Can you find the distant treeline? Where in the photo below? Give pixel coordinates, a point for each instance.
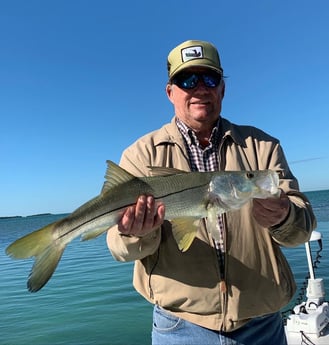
(32, 215)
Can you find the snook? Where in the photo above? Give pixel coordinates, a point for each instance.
(188, 197)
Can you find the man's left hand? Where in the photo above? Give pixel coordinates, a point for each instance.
(272, 211)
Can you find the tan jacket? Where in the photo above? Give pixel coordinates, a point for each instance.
(258, 278)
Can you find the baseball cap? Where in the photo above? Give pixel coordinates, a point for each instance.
(193, 53)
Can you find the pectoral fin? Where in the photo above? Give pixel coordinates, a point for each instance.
(184, 230)
(94, 233)
(212, 223)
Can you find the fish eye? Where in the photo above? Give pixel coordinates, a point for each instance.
(250, 175)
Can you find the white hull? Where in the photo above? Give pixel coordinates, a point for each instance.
(308, 324)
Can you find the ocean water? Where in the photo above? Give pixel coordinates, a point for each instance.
(90, 298)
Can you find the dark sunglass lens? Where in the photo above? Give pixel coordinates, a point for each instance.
(188, 81)
(211, 80)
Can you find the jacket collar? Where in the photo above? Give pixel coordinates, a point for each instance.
(169, 133)
(233, 131)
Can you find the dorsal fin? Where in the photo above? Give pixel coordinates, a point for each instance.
(162, 171)
(115, 176)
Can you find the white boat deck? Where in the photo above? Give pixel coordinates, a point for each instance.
(295, 338)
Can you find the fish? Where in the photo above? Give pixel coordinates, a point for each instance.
(188, 198)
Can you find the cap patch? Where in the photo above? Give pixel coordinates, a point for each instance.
(191, 53)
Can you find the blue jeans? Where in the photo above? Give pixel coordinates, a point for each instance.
(171, 330)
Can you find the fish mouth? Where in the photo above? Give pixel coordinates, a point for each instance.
(268, 186)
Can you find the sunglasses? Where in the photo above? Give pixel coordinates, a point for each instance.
(189, 80)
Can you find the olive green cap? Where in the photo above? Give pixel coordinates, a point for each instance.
(193, 54)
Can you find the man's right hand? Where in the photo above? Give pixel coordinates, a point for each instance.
(142, 218)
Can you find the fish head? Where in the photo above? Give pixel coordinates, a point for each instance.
(235, 188)
(267, 183)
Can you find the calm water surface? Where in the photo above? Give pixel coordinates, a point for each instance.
(90, 298)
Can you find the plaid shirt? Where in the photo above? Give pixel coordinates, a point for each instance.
(201, 159)
(204, 159)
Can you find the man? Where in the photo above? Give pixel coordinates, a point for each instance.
(225, 292)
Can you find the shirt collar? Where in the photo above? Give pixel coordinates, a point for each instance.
(191, 137)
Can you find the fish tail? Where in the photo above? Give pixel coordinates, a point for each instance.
(47, 251)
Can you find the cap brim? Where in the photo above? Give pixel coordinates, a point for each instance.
(194, 63)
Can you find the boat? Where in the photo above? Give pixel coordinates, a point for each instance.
(308, 321)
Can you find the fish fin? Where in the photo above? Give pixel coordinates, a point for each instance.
(47, 252)
(212, 223)
(162, 171)
(44, 267)
(89, 235)
(115, 175)
(184, 231)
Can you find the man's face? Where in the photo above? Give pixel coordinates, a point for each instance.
(198, 107)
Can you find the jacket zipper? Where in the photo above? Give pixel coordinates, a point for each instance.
(222, 262)
(222, 256)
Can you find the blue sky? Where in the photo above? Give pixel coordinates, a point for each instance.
(81, 80)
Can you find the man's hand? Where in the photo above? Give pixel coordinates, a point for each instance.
(142, 218)
(272, 211)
